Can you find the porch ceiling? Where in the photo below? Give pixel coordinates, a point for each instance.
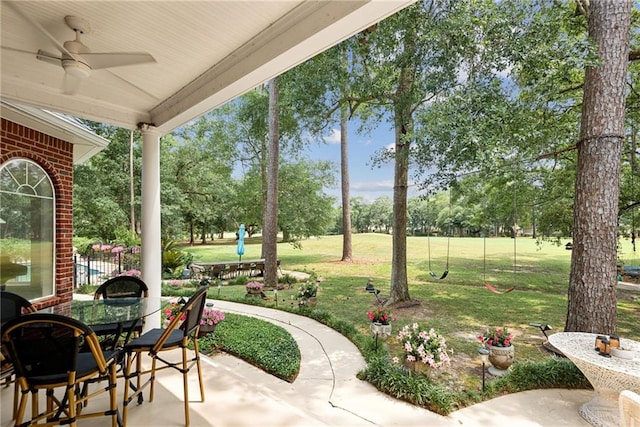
(206, 52)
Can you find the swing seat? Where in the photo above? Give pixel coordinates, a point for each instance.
(434, 276)
(495, 291)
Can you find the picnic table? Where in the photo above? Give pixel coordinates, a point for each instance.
(229, 269)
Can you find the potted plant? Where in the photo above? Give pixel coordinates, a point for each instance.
(254, 288)
(499, 342)
(209, 319)
(170, 312)
(307, 294)
(424, 350)
(380, 318)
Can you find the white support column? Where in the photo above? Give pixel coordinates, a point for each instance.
(151, 251)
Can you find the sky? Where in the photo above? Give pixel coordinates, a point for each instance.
(366, 181)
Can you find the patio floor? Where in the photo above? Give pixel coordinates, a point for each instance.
(326, 392)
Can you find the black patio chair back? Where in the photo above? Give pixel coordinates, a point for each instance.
(13, 305)
(122, 287)
(178, 334)
(46, 351)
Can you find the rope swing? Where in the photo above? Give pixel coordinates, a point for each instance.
(433, 275)
(489, 286)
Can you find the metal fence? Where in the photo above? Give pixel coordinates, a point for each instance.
(95, 267)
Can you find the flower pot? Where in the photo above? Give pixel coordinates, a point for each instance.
(254, 291)
(501, 358)
(420, 368)
(383, 331)
(308, 302)
(165, 324)
(205, 329)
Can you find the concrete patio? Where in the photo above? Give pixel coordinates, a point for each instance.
(326, 392)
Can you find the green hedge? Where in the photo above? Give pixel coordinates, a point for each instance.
(263, 344)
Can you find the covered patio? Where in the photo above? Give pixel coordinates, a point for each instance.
(162, 64)
(326, 392)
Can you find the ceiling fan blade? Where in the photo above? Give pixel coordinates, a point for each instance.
(70, 84)
(13, 49)
(37, 25)
(116, 59)
(48, 57)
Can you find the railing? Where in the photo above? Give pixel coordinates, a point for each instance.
(97, 266)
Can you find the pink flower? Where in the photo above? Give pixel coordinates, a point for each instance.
(498, 337)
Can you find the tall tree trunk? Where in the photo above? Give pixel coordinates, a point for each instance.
(270, 230)
(403, 136)
(263, 187)
(592, 282)
(399, 283)
(347, 252)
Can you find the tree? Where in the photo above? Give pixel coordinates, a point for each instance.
(347, 247)
(592, 281)
(381, 212)
(102, 187)
(303, 208)
(401, 64)
(196, 179)
(270, 223)
(421, 214)
(318, 89)
(360, 214)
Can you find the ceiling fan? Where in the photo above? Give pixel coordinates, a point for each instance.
(78, 60)
(75, 57)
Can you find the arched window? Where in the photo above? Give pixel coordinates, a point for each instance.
(27, 229)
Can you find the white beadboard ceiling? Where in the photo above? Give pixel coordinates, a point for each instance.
(206, 52)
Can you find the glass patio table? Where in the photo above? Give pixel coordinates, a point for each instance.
(608, 375)
(123, 312)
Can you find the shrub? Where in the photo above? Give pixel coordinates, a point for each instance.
(415, 389)
(268, 346)
(307, 290)
(288, 279)
(423, 346)
(554, 372)
(239, 280)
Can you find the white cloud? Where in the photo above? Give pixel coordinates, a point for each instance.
(334, 137)
(373, 186)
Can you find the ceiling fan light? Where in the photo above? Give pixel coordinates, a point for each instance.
(76, 69)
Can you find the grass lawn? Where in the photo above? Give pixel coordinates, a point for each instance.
(459, 307)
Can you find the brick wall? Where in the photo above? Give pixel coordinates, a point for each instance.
(55, 156)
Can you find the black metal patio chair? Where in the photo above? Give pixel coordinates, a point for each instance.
(178, 334)
(119, 287)
(11, 306)
(46, 352)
